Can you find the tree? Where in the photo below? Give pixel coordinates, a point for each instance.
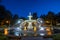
(23, 18)
(34, 16)
(51, 17)
(5, 15)
(15, 18)
(43, 17)
(8, 14)
(58, 17)
(8, 17)
(2, 11)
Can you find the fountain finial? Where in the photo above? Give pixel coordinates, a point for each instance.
(30, 16)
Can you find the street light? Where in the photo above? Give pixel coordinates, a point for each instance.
(47, 22)
(8, 22)
(5, 31)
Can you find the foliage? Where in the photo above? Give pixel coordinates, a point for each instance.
(56, 37)
(3, 37)
(34, 16)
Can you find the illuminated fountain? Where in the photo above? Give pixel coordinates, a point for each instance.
(31, 27)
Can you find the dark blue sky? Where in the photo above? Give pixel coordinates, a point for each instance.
(23, 7)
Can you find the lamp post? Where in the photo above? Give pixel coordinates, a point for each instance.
(8, 22)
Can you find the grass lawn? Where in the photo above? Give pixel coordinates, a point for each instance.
(56, 37)
(2, 37)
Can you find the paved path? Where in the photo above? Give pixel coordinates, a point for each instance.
(36, 38)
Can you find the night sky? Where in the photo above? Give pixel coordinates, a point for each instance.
(23, 7)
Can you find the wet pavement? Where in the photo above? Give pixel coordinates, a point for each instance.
(36, 38)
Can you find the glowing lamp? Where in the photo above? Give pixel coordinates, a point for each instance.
(34, 29)
(49, 33)
(6, 31)
(25, 29)
(47, 29)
